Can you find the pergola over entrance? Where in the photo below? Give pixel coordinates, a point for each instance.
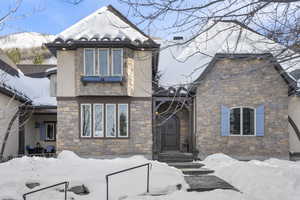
(173, 121)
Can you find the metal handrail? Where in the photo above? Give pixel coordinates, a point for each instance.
(51, 186)
(124, 170)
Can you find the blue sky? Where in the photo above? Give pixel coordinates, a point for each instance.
(50, 16)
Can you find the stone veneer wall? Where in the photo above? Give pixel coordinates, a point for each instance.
(243, 83)
(140, 132)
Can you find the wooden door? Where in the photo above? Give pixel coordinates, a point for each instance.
(170, 134)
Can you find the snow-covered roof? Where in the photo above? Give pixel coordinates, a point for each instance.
(183, 64)
(36, 90)
(105, 22)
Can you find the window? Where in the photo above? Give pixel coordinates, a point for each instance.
(50, 130)
(89, 62)
(110, 120)
(98, 120)
(107, 120)
(242, 121)
(123, 120)
(109, 62)
(117, 61)
(103, 61)
(86, 121)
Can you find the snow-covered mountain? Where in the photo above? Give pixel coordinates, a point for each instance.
(28, 45)
(24, 40)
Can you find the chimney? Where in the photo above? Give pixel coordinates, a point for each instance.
(177, 38)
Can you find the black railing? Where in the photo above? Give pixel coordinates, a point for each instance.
(118, 172)
(45, 188)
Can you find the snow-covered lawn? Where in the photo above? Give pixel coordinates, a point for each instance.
(268, 180)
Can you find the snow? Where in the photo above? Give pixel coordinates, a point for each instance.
(257, 180)
(112, 26)
(90, 172)
(24, 40)
(37, 89)
(182, 64)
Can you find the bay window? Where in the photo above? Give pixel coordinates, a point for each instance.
(103, 62)
(108, 120)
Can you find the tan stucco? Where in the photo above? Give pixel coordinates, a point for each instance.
(8, 107)
(66, 73)
(294, 113)
(142, 74)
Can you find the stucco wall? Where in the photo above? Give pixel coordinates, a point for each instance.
(66, 73)
(294, 113)
(8, 108)
(239, 82)
(142, 74)
(140, 131)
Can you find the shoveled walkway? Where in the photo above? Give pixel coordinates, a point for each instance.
(198, 179)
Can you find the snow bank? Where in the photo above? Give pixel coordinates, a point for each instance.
(260, 180)
(90, 172)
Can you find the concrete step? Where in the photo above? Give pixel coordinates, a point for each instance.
(197, 172)
(186, 165)
(175, 157)
(207, 183)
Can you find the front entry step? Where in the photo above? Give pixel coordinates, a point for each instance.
(206, 183)
(186, 165)
(197, 172)
(175, 157)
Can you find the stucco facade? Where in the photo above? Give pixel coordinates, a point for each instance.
(242, 82)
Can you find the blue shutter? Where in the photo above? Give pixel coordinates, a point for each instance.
(42, 131)
(225, 121)
(260, 120)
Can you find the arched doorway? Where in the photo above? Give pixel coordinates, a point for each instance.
(169, 131)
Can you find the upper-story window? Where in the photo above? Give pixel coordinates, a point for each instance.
(103, 62)
(242, 121)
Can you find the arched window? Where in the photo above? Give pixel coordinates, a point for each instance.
(242, 121)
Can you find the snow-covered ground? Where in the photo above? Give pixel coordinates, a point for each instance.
(268, 180)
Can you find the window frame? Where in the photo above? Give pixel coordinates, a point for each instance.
(54, 134)
(104, 114)
(94, 118)
(108, 62)
(241, 120)
(115, 119)
(112, 62)
(127, 114)
(94, 61)
(81, 118)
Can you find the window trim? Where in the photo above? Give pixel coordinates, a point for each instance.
(54, 134)
(94, 118)
(112, 62)
(108, 62)
(127, 112)
(115, 119)
(241, 121)
(81, 117)
(94, 63)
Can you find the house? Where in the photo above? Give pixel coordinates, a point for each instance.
(103, 98)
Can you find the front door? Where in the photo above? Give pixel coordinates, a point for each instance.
(170, 134)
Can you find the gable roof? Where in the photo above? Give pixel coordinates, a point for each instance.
(105, 26)
(268, 56)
